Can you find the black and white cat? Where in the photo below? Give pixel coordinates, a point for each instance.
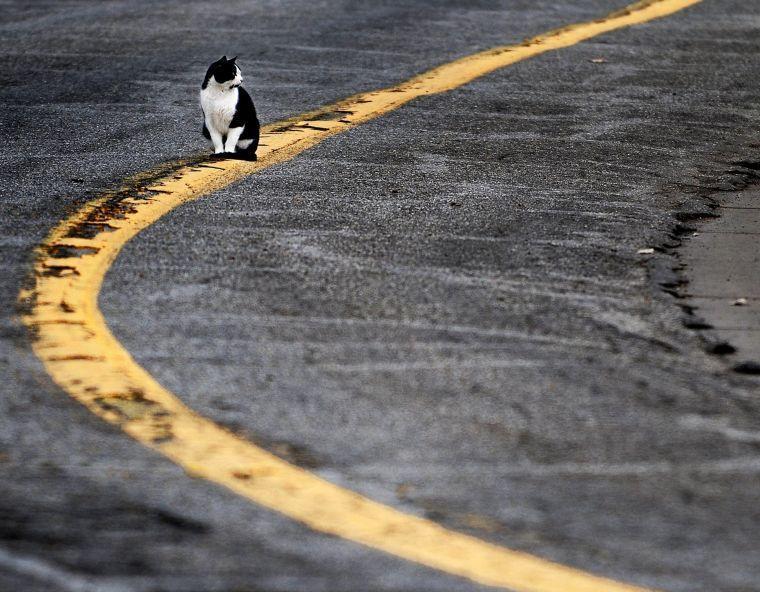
(229, 117)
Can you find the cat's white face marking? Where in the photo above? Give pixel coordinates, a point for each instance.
(238, 80)
(227, 84)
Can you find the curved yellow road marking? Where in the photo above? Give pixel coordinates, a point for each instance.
(83, 357)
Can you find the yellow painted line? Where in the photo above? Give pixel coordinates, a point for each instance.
(60, 307)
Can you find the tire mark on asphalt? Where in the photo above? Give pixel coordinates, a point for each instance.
(70, 336)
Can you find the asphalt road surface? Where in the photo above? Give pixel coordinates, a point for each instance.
(445, 309)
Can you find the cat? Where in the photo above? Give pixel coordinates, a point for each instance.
(229, 116)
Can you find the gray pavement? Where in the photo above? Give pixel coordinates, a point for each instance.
(443, 309)
(723, 259)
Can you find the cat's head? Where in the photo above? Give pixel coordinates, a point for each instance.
(225, 73)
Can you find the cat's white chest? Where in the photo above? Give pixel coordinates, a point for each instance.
(219, 107)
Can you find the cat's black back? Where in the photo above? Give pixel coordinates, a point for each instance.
(245, 114)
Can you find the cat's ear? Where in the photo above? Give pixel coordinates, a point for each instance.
(224, 58)
(233, 59)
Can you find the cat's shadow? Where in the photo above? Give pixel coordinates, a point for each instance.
(232, 156)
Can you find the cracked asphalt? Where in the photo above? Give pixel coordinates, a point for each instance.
(444, 309)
